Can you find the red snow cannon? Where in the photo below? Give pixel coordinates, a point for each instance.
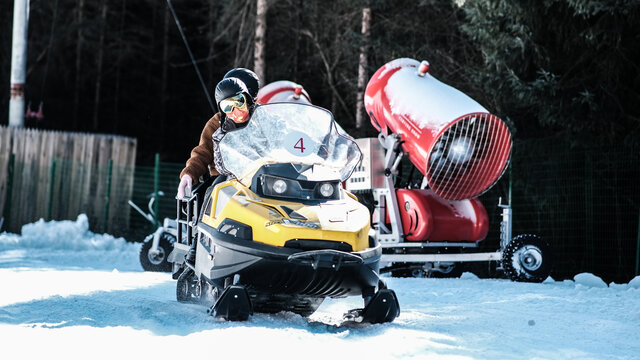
(456, 143)
(283, 91)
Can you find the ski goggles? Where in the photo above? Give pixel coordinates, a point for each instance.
(237, 101)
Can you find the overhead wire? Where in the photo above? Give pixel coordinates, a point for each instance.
(193, 60)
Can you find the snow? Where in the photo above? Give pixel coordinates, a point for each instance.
(282, 91)
(589, 280)
(69, 293)
(431, 104)
(398, 63)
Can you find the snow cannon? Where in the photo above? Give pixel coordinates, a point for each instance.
(283, 91)
(460, 148)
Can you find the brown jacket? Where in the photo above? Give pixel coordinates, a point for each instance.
(202, 155)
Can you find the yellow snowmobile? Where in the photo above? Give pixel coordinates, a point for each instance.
(283, 234)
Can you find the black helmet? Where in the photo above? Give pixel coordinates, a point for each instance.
(229, 87)
(248, 77)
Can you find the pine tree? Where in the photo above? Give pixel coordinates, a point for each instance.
(560, 65)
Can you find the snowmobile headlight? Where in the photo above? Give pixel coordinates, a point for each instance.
(279, 186)
(326, 189)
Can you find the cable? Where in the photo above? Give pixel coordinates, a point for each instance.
(193, 60)
(51, 32)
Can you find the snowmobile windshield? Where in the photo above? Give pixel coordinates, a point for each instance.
(303, 135)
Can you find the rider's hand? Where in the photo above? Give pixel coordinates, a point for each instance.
(185, 182)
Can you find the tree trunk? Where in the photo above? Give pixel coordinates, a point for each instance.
(211, 36)
(296, 51)
(259, 64)
(151, 62)
(362, 67)
(103, 27)
(79, 43)
(165, 70)
(116, 107)
(240, 40)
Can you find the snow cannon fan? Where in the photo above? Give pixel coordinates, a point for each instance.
(283, 91)
(456, 143)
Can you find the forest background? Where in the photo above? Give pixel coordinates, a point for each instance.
(120, 66)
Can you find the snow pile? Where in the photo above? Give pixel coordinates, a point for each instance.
(589, 280)
(635, 283)
(67, 243)
(61, 235)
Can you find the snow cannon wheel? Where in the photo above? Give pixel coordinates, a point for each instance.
(527, 258)
(157, 262)
(233, 305)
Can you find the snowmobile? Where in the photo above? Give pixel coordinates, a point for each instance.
(281, 234)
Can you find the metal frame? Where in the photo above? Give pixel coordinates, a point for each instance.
(386, 197)
(187, 217)
(393, 238)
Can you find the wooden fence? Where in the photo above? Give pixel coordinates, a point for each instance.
(59, 175)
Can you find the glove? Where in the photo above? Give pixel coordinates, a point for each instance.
(185, 186)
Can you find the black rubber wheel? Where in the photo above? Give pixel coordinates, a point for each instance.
(527, 258)
(182, 290)
(189, 288)
(408, 271)
(158, 262)
(453, 271)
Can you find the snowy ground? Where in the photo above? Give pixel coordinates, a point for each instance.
(68, 293)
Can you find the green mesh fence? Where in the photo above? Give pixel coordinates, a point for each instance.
(584, 201)
(144, 188)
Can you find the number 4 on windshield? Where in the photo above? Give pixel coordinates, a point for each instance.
(300, 145)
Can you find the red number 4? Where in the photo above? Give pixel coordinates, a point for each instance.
(299, 145)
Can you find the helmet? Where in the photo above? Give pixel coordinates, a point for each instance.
(229, 87)
(248, 77)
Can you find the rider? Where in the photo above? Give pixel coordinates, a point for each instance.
(202, 156)
(236, 105)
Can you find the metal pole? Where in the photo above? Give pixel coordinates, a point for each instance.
(51, 187)
(18, 62)
(108, 200)
(510, 183)
(156, 189)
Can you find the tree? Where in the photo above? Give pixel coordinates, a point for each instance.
(568, 66)
(362, 66)
(259, 65)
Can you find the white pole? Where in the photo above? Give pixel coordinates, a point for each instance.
(18, 62)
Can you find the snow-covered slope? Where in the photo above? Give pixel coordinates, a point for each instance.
(66, 293)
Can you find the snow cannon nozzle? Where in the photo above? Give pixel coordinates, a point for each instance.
(297, 92)
(459, 146)
(423, 69)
